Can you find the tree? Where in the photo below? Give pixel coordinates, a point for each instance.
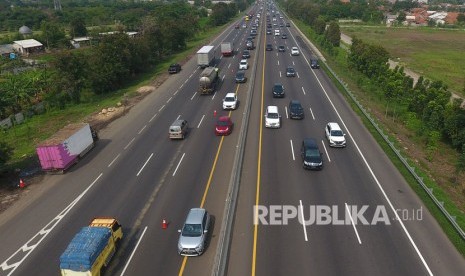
(401, 17)
(319, 25)
(460, 164)
(6, 152)
(461, 18)
(333, 34)
(53, 34)
(78, 27)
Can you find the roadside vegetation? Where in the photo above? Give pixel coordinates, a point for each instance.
(67, 85)
(422, 119)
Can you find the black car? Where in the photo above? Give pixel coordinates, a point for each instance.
(284, 36)
(278, 90)
(240, 76)
(311, 155)
(296, 111)
(290, 71)
(174, 68)
(288, 24)
(269, 47)
(250, 45)
(281, 48)
(314, 63)
(245, 54)
(268, 31)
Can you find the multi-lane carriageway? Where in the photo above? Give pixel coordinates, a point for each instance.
(138, 175)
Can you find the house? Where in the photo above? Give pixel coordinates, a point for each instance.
(7, 51)
(28, 46)
(79, 41)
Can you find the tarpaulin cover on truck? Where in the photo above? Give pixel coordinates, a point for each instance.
(84, 248)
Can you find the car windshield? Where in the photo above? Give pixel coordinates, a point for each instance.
(337, 133)
(312, 153)
(192, 230)
(222, 123)
(273, 115)
(229, 99)
(296, 107)
(290, 69)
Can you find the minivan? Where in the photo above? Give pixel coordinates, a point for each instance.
(193, 237)
(178, 129)
(311, 155)
(272, 117)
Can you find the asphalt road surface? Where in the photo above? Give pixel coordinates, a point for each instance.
(136, 174)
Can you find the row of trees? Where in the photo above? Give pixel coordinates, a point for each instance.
(427, 104)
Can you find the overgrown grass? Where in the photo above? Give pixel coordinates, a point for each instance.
(370, 100)
(437, 54)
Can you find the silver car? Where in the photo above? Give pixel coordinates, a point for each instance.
(194, 233)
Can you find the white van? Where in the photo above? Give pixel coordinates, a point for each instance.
(272, 117)
(276, 32)
(178, 129)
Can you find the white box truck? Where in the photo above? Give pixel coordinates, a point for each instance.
(205, 56)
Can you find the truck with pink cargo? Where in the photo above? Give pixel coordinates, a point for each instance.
(66, 147)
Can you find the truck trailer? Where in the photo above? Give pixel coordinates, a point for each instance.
(205, 56)
(208, 80)
(64, 148)
(92, 248)
(227, 49)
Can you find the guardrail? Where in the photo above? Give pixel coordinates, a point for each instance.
(411, 169)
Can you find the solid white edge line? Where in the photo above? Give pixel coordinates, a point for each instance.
(198, 126)
(353, 223)
(327, 154)
(376, 179)
(193, 95)
(311, 111)
(142, 129)
(130, 142)
(303, 221)
(175, 170)
(144, 164)
(133, 251)
(292, 150)
(114, 159)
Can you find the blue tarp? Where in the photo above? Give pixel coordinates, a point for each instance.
(84, 248)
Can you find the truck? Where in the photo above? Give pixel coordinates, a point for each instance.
(92, 248)
(66, 147)
(205, 56)
(208, 80)
(227, 49)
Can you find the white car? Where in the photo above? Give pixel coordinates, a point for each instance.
(230, 101)
(272, 117)
(243, 65)
(295, 51)
(335, 135)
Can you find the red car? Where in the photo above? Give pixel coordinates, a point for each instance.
(224, 126)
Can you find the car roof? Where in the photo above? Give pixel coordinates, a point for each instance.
(334, 126)
(195, 216)
(310, 143)
(272, 109)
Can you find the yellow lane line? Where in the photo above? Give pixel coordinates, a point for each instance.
(257, 193)
(207, 188)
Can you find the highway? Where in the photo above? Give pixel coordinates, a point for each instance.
(136, 174)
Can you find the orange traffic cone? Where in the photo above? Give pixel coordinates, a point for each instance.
(164, 224)
(21, 183)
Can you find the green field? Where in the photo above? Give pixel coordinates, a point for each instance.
(437, 54)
